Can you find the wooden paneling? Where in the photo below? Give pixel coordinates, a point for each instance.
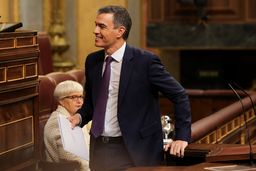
(251, 12)
(154, 10)
(217, 11)
(18, 99)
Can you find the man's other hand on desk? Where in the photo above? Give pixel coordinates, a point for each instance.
(176, 148)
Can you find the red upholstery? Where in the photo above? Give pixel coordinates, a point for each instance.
(78, 74)
(58, 77)
(46, 88)
(45, 55)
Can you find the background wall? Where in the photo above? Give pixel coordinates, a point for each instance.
(9, 10)
(86, 13)
(134, 8)
(31, 14)
(78, 17)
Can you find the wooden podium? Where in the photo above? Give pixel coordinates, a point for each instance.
(212, 157)
(222, 152)
(18, 99)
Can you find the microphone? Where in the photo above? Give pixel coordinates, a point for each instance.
(246, 126)
(252, 103)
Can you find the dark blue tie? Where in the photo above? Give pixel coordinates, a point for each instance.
(101, 103)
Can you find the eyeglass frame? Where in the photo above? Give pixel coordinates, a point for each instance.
(74, 97)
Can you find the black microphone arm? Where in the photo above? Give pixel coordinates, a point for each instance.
(246, 126)
(252, 103)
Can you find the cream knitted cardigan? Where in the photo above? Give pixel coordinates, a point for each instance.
(53, 146)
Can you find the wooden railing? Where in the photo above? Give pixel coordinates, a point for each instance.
(226, 123)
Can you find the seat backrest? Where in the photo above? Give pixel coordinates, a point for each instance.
(45, 55)
(78, 74)
(57, 77)
(46, 101)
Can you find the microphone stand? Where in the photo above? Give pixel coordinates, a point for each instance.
(246, 126)
(240, 88)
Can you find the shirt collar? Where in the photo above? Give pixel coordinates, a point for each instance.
(119, 54)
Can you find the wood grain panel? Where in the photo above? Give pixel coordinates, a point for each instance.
(18, 99)
(251, 12)
(17, 134)
(217, 11)
(16, 112)
(6, 43)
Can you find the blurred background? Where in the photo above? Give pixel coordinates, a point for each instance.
(203, 43)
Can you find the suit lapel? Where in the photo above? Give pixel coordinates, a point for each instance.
(126, 71)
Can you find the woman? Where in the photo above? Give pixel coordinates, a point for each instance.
(69, 95)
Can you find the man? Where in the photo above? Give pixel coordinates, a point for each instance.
(132, 131)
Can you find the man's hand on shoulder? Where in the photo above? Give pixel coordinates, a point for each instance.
(176, 148)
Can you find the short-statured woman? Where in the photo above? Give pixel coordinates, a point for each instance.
(69, 95)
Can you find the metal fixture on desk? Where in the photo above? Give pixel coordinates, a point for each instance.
(167, 128)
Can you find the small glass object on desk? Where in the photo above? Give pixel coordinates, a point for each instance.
(167, 128)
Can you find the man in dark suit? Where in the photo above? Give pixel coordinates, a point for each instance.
(131, 134)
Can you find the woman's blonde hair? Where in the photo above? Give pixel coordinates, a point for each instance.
(65, 88)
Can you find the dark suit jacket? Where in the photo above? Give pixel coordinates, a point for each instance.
(142, 78)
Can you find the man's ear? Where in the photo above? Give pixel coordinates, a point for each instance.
(121, 31)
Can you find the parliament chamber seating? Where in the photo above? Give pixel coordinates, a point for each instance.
(45, 55)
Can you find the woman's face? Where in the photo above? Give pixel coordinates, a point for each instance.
(72, 102)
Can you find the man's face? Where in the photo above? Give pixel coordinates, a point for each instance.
(106, 35)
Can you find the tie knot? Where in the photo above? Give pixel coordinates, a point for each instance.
(108, 59)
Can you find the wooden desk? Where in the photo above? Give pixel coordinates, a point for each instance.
(202, 156)
(18, 99)
(197, 167)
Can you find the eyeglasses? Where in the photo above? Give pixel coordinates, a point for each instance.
(75, 97)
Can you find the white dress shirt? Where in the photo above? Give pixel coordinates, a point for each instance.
(111, 125)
